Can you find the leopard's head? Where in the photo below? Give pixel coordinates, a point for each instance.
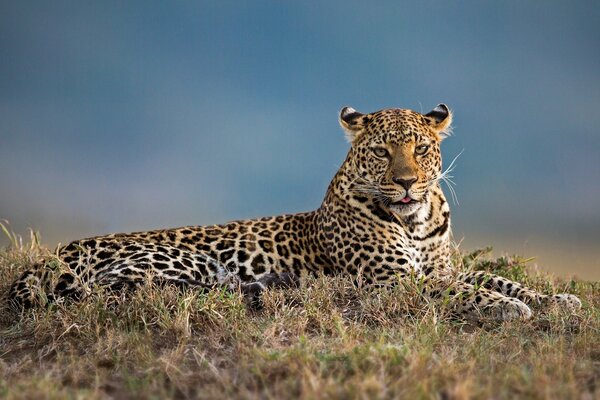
(395, 156)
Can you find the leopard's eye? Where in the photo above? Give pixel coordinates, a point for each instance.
(422, 149)
(380, 152)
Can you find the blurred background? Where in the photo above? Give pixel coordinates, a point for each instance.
(130, 116)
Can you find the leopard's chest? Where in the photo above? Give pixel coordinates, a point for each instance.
(421, 247)
(358, 237)
(421, 251)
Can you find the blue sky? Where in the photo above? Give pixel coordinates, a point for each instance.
(128, 116)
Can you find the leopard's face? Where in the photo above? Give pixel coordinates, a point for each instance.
(395, 156)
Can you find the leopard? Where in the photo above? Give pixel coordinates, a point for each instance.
(384, 221)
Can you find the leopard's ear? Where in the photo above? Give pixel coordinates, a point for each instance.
(353, 122)
(440, 120)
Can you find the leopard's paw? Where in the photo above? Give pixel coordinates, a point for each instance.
(508, 309)
(567, 301)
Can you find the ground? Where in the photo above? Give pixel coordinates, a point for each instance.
(325, 340)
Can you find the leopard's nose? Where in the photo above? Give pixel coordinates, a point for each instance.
(405, 181)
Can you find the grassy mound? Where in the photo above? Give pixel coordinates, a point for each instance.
(324, 340)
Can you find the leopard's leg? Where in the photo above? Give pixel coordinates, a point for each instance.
(195, 277)
(125, 263)
(463, 299)
(517, 290)
(29, 288)
(66, 275)
(472, 302)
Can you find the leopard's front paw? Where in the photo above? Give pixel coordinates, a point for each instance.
(507, 309)
(567, 301)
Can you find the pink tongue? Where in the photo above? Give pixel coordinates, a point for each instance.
(406, 199)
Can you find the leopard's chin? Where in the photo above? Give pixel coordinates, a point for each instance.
(404, 208)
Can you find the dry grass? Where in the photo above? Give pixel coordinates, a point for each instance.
(325, 340)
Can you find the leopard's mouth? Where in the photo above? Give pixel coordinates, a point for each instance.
(405, 206)
(407, 200)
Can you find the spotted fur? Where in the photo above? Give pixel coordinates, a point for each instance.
(384, 219)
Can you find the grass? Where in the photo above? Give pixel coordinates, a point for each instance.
(324, 340)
